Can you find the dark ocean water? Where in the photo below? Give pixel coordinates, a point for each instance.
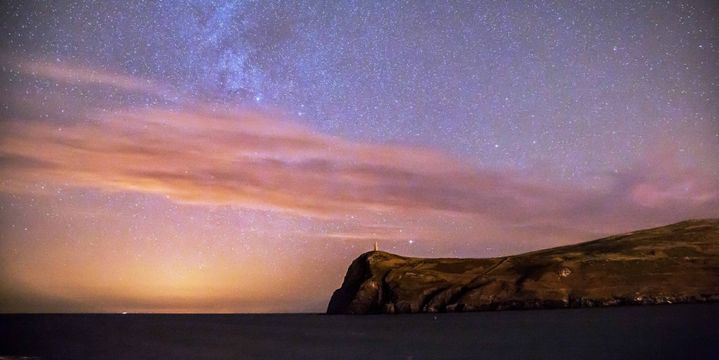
(646, 332)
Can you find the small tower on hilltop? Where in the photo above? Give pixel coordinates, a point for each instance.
(376, 246)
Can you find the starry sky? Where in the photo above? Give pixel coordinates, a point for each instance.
(210, 156)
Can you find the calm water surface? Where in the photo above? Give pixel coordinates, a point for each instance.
(670, 331)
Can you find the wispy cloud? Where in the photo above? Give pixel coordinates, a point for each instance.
(84, 76)
(198, 154)
(319, 193)
(245, 159)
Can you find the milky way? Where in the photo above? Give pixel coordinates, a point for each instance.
(236, 156)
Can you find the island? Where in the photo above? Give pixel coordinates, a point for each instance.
(677, 263)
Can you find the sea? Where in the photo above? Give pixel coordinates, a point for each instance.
(636, 332)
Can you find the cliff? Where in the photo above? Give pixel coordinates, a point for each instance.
(677, 263)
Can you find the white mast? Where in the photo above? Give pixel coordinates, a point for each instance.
(376, 246)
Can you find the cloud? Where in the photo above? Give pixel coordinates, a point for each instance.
(320, 193)
(246, 159)
(84, 76)
(204, 154)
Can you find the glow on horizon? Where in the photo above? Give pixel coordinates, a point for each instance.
(189, 166)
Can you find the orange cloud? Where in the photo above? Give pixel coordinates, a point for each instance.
(199, 154)
(245, 159)
(420, 200)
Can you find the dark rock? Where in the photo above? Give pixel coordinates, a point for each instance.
(677, 263)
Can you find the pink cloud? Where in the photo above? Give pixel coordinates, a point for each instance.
(198, 154)
(84, 76)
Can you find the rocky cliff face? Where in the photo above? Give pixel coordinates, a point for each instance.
(678, 263)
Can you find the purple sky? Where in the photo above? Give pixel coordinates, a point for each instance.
(235, 157)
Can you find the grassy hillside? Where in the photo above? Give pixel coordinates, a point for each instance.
(670, 264)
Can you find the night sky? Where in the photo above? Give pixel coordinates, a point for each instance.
(209, 156)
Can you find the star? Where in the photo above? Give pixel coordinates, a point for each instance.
(248, 142)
